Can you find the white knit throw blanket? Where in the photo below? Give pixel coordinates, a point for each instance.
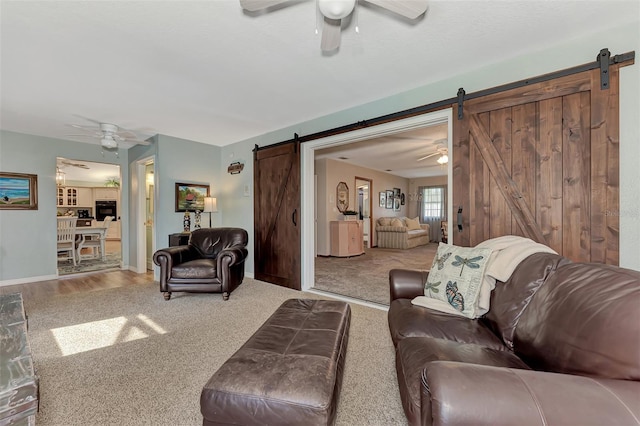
(507, 253)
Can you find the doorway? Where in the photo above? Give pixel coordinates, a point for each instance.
(144, 191)
(309, 202)
(365, 209)
(83, 190)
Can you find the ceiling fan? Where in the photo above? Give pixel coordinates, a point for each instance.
(109, 135)
(441, 150)
(62, 162)
(333, 11)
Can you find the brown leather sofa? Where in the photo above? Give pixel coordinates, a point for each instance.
(559, 346)
(211, 262)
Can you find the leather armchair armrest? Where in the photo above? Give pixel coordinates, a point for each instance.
(455, 393)
(231, 256)
(174, 255)
(167, 258)
(406, 283)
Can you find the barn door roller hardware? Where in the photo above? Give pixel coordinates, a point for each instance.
(461, 94)
(603, 59)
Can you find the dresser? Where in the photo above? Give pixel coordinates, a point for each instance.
(346, 238)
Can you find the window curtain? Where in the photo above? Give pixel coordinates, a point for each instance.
(432, 208)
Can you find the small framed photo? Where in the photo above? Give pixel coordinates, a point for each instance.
(396, 204)
(389, 203)
(383, 199)
(402, 199)
(190, 197)
(396, 192)
(18, 191)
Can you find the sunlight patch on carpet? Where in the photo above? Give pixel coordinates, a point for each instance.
(93, 335)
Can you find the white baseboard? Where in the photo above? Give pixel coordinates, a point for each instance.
(17, 281)
(249, 275)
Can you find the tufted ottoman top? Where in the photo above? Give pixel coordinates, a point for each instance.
(288, 372)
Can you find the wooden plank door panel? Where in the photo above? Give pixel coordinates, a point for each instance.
(277, 214)
(542, 161)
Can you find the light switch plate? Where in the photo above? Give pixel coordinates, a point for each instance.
(247, 190)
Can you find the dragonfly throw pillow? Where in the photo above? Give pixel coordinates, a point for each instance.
(456, 276)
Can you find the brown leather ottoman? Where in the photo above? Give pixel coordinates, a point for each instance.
(288, 373)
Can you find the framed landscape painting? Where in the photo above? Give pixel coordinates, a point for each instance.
(190, 196)
(18, 191)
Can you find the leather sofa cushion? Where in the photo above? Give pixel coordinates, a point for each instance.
(407, 320)
(195, 269)
(414, 353)
(510, 299)
(584, 320)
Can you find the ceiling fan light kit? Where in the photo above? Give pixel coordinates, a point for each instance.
(336, 9)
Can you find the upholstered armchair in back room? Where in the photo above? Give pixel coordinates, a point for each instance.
(212, 262)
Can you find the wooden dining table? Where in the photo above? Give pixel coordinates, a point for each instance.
(91, 231)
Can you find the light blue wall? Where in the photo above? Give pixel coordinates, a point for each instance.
(28, 237)
(184, 161)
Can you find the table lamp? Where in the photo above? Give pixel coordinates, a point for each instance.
(210, 206)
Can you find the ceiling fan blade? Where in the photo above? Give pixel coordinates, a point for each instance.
(255, 5)
(330, 34)
(428, 156)
(85, 129)
(408, 8)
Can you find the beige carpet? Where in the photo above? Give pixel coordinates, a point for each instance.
(126, 357)
(366, 277)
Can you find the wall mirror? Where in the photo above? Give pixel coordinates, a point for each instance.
(342, 197)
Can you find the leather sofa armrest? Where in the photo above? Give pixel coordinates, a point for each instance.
(406, 283)
(455, 393)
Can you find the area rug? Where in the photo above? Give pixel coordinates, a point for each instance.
(366, 277)
(113, 261)
(125, 356)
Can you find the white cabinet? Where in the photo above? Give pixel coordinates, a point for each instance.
(106, 193)
(67, 196)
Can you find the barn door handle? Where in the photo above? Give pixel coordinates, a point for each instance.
(294, 217)
(460, 219)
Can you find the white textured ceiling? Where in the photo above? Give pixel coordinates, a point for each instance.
(208, 72)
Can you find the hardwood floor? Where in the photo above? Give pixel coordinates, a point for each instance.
(67, 285)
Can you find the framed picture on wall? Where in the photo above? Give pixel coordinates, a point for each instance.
(190, 197)
(383, 199)
(396, 204)
(18, 191)
(389, 203)
(396, 192)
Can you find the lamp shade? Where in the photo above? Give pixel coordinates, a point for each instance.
(210, 204)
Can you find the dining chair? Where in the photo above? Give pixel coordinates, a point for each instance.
(67, 238)
(95, 242)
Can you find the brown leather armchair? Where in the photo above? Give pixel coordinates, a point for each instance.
(212, 262)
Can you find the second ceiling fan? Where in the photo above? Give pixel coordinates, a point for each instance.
(333, 11)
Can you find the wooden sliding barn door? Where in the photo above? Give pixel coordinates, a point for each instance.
(276, 177)
(541, 161)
